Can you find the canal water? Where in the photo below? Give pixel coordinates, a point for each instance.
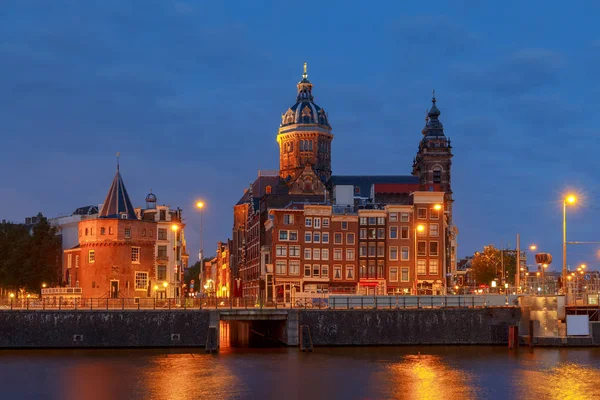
(422, 372)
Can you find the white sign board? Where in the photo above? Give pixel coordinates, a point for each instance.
(578, 325)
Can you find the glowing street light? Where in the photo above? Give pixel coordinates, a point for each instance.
(437, 207)
(43, 285)
(533, 247)
(12, 295)
(569, 199)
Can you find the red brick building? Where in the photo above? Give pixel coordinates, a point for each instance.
(369, 222)
(115, 255)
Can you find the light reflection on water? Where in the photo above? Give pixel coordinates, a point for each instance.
(327, 373)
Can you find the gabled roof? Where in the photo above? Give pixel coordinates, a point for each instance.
(117, 202)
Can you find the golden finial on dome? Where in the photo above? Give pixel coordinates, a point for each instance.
(305, 74)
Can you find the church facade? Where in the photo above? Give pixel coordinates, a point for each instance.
(302, 229)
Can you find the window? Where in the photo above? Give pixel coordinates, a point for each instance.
(127, 233)
(135, 255)
(162, 234)
(404, 274)
(294, 251)
(317, 223)
(372, 220)
(404, 217)
(325, 254)
(421, 267)
(69, 258)
(308, 222)
(433, 248)
(434, 214)
(404, 232)
(110, 230)
(281, 267)
(433, 230)
(423, 232)
(308, 237)
(363, 271)
(380, 250)
(362, 250)
(326, 223)
(337, 238)
(91, 256)
(349, 238)
(363, 233)
(337, 254)
(103, 231)
(307, 269)
(344, 225)
(307, 254)
(294, 267)
(325, 237)
(288, 219)
(422, 213)
(393, 217)
(141, 280)
(86, 231)
(393, 253)
(161, 273)
(393, 274)
(372, 233)
(380, 220)
(393, 232)
(163, 215)
(316, 237)
(404, 253)
(162, 252)
(294, 236)
(316, 254)
(433, 267)
(349, 271)
(324, 271)
(337, 272)
(316, 270)
(283, 235)
(422, 248)
(77, 261)
(349, 254)
(437, 175)
(363, 221)
(91, 231)
(372, 250)
(381, 233)
(281, 251)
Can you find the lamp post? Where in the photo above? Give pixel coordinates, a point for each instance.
(175, 229)
(570, 199)
(200, 207)
(155, 292)
(165, 285)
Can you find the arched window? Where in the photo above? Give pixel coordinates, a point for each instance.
(437, 175)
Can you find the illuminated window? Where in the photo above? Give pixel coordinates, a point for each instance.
(135, 255)
(404, 217)
(307, 254)
(325, 254)
(69, 257)
(281, 251)
(127, 233)
(433, 230)
(433, 267)
(337, 272)
(363, 233)
(349, 254)
(393, 217)
(294, 267)
(141, 280)
(393, 274)
(421, 267)
(162, 234)
(280, 267)
(91, 256)
(294, 251)
(316, 254)
(349, 271)
(317, 223)
(77, 261)
(337, 254)
(404, 274)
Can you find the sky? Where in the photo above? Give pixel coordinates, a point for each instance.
(191, 94)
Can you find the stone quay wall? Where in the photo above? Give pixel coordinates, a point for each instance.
(483, 326)
(84, 329)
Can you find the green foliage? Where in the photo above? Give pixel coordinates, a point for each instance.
(29, 259)
(487, 265)
(193, 272)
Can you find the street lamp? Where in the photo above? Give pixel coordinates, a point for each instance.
(200, 207)
(165, 285)
(418, 228)
(176, 271)
(570, 199)
(533, 247)
(43, 285)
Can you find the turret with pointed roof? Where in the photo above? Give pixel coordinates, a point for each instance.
(117, 203)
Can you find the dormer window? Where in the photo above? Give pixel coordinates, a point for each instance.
(123, 215)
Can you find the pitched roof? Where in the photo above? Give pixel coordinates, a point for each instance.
(364, 182)
(117, 202)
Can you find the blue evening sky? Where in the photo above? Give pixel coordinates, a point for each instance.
(191, 94)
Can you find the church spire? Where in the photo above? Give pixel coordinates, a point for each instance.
(433, 126)
(304, 88)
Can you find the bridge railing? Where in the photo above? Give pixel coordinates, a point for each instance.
(333, 302)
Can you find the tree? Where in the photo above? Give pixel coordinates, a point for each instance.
(193, 272)
(29, 257)
(487, 265)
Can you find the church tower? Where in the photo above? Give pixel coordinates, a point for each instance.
(304, 139)
(434, 157)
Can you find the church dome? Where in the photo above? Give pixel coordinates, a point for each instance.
(151, 198)
(305, 111)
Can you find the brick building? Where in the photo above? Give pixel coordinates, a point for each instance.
(371, 220)
(217, 278)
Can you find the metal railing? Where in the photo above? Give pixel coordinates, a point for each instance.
(333, 302)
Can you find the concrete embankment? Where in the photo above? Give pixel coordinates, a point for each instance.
(409, 327)
(181, 328)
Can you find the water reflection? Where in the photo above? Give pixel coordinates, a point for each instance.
(563, 381)
(428, 377)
